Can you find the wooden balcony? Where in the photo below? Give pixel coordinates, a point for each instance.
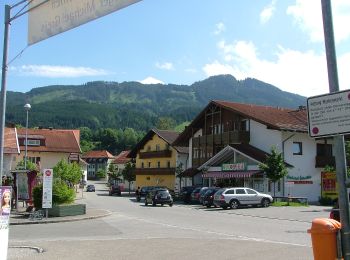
(226, 138)
(322, 161)
(155, 154)
(154, 171)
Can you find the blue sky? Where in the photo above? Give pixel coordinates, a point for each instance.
(184, 41)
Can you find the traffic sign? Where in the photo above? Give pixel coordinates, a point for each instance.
(329, 114)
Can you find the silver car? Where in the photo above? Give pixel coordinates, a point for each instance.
(235, 197)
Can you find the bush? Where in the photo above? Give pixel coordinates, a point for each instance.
(38, 196)
(326, 201)
(61, 193)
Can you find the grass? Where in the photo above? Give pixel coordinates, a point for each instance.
(286, 204)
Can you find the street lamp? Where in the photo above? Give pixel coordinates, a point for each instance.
(27, 107)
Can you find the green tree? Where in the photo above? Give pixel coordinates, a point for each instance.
(274, 167)
(101, 174)
(113, 173)
(165, 123)
(68, 172)
(30, 165)
(128, 173)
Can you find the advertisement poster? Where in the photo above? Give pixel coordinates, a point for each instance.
(47, 188)
(22, 184)
(329, 185)
(5, 210)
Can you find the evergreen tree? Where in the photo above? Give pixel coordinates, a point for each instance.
(128, 173)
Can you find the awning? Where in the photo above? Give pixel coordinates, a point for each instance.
(229, 175)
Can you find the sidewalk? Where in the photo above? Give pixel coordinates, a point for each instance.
(21, 217)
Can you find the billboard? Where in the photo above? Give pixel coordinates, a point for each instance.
(48, 18)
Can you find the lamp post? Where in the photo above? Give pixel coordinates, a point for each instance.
(27, 107)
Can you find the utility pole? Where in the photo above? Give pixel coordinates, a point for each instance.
(339, 150)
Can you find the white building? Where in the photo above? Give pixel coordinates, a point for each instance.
(227, 142)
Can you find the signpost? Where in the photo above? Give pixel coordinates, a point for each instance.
(47, 190)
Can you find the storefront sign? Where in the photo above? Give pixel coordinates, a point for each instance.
(298, 178)
(233, 167)
(5, 210)
(47, 188)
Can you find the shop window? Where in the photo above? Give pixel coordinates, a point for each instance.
(297, 148)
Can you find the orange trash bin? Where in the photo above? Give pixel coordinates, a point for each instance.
(324, 238)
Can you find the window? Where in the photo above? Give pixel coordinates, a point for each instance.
(230, 192)
(245, 125)
(249, 191)
(149, 164)
(158, 164)
(157, 147)
(240, 191)
(324, 150)
(35, 160)
(168, 164)
(142, 165)
(32, 142)
(148, 148)
(297, 148)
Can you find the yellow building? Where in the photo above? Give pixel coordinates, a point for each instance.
(157, 160)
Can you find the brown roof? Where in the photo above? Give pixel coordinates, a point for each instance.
(122, 158)
(98, 154)
(10, 141)
(56, 140)
(273, 117)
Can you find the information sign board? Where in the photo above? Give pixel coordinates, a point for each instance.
(47, 188)
(329, 114)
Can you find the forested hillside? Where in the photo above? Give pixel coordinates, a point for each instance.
(134, 105)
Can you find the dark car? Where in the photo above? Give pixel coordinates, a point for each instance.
(115, 189)
(195, 195)
(208, 198)
(159, 196)
(90, 188)
(185, 193)
(144, 190)
(202, 191)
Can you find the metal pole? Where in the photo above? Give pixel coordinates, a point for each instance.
(26, 146)
(3, 87)
(339, 149)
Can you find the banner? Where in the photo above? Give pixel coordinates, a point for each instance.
(5, 210)
(48, 18)
(47, 188)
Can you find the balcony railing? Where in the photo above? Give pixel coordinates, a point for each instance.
(155, 154)
(322, 161)
(154, 171)
(224, 138)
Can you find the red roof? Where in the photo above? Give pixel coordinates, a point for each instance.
(10, 141)
(56, 140)
(122, 157)
(98, 154)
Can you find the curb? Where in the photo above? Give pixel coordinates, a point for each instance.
(44, 221)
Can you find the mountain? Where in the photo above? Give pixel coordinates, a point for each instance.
(102, 104)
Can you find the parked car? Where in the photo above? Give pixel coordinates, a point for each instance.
(208, 198)
(195, 195)
(90, 188)
(159, 196)
(144, 190)
(185, 193)
(240, 196)
(202, 191)
(115, 189)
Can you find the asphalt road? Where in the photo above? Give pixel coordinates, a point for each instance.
(134, 231)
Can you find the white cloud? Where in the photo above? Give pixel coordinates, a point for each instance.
(220, 27)
(267, 13)
(165, 66)
(308, 16)
(151, 80)
(49, 71)
(303, 73)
